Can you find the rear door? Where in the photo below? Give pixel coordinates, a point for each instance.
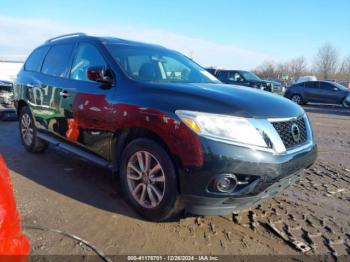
(312, 91)
(29, 81)
(54, 76)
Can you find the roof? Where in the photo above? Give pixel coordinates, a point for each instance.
(104, 40)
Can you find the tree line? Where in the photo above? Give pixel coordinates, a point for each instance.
(326, 65)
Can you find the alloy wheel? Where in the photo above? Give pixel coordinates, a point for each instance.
(146, 179)
(296, 99)
(27, 130)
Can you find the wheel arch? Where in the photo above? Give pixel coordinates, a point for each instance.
(302, 96)
(19, 105)
(124, 136)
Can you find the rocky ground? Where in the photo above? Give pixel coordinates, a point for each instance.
(69, 206)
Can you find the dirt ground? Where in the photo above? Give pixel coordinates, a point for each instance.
(61, 196)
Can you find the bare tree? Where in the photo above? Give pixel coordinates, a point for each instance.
(344, 71)
(297, 67)
(292, 69)
(266, 70)
(326, 61)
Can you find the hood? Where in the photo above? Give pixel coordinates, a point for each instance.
(275, 83)
(220, 99)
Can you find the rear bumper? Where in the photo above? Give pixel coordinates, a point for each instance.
(271, 174)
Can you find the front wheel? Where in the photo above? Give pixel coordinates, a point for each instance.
(148, 179)
(346, 104)
(31, 142)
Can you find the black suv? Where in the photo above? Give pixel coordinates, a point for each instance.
(176, 136)
(246, 78)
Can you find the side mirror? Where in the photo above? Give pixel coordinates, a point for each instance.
(336, 89)
(99, 74)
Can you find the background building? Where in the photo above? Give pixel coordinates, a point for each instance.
(9, 69)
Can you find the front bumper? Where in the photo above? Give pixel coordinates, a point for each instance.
(272, 173)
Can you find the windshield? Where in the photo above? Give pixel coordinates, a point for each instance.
(250, 76)
(158, 65)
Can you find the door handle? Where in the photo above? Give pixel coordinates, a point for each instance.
(64, 94)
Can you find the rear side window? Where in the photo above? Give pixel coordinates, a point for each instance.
(35, 60)
(57, 61)
(313, 84)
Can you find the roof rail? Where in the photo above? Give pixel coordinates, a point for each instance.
(65, 36)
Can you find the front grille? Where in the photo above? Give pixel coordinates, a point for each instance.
(284, 129)
(276, 88)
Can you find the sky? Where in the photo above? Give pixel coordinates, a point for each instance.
(224, 33)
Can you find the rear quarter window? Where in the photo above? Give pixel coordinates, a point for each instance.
(35, 59)
(57, 61)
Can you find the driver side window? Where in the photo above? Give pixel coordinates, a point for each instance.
(86, 56)
(235, 76)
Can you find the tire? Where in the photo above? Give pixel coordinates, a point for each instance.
(344, 104)
(157, 204)
(297, 99)
(28, 132)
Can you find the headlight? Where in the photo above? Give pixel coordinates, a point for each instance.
(222, 127)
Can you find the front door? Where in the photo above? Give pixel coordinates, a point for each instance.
(330, 93)
(85, 104)
(312, 91)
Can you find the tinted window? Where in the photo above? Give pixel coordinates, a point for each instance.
(313, 84)
(57, 60)
(235, 76)
(326, 86)
(35, 60)
(222, 75)
(86, 56)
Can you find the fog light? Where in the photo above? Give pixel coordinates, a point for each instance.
(226, 183)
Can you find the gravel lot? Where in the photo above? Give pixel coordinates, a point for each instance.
(60, 195)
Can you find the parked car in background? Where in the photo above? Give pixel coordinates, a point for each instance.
(6, 93)
(277, 84)
(305, 79)
(319, 92)
(177, 137)
(7, 108)
(345, 83)
(212, 70)
(246, 78)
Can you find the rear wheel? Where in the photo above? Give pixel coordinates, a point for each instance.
(28, 131)
(345, 104)
(297, 99)
(149, 180)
